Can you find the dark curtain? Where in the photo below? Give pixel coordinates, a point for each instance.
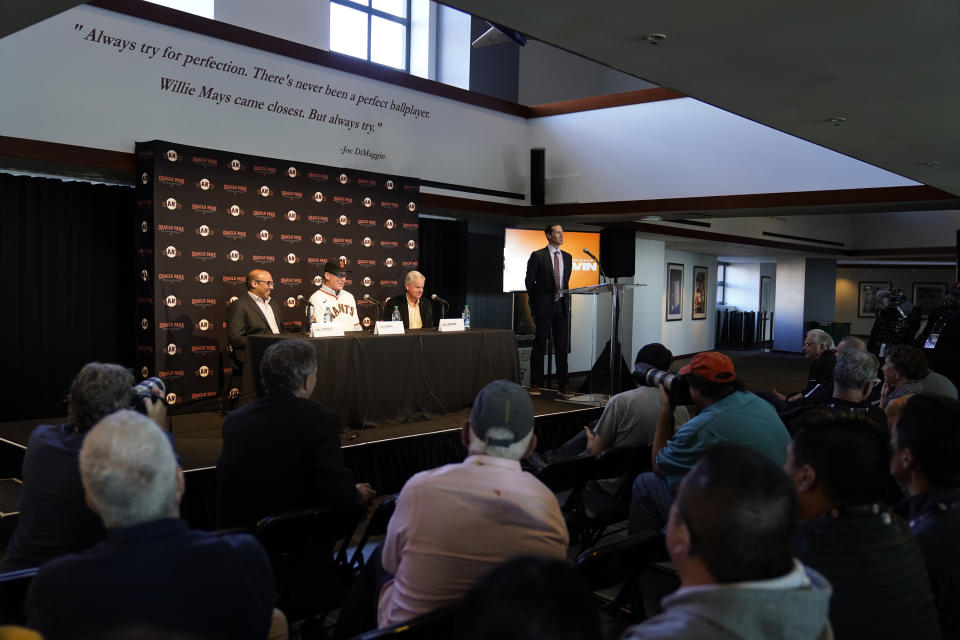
(68, 266)
(443, 260)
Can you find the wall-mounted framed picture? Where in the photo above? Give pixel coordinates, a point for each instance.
(867, 301)
(674, 291)
(699, 293)
(928, 295)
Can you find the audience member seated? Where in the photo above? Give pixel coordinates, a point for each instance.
(854, 377)
(938, 385)
(629, 418)
(926, 458)
(840, 466)
(818, 349)
(282, 451)
(529, 598)
(903, 368)
(453, 523)
(54, 519)
(727, 414)
(730, 538)
(152, 571)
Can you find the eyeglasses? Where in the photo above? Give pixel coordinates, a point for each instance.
(810, 344)
(269, 283)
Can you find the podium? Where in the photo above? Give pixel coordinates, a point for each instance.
(616, 289)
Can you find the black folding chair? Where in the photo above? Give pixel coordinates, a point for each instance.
(13, 595)
(601, 510)
(376, 526)
(622, 563)
(436, 625)
(312, 577)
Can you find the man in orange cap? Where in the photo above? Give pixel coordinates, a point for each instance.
(727, 413)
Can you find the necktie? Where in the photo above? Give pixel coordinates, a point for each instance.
(556, 274)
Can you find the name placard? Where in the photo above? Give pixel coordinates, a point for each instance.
(451, 324)
(326, 330)
(388, 328)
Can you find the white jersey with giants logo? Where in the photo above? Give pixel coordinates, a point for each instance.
(343, 308)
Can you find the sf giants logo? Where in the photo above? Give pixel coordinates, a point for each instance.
(341, 308)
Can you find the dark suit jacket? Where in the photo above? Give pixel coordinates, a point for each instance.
(159, 575)
(400, 301)
(280, 453)
(244, 318)
(540, 284)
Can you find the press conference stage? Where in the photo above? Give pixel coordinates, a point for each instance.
(385, 456)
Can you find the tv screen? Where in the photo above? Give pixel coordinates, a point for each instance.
(519, 243)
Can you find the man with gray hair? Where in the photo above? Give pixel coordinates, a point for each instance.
(414, 314)
(453, 523)
(54, 519)
(282, 451)
(818, 350)
(854, 377)
(151, 572)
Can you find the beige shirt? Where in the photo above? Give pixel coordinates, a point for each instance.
(413, 315)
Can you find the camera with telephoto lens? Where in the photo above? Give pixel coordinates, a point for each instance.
(678, 389)
(150, 388)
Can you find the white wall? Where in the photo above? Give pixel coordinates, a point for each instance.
(303, 21)
(688, 335)
(743, 286)
(92, 94)
(642, 318)
(684, 148)
(848, 289)
(788, 316)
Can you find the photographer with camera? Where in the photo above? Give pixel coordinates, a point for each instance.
(54, 518)
(726, 414)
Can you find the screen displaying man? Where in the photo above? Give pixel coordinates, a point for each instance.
(414, 313)
(253, 313)
(548, 273)
(332, 301)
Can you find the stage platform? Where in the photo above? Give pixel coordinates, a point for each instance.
(383, 456)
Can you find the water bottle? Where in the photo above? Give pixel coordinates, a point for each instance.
(466, 316)
(328, 316)
(395, 316)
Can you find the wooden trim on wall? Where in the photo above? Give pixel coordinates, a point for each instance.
(603, 102)
(67, 154)
(951, 267)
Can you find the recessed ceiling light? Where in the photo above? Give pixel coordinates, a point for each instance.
(836, 121)
(651, 218)
(654, 38)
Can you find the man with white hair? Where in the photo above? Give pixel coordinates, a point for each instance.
(453, 523)
(152, 572)
(414, 313)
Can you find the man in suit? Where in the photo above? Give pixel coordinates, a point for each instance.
(282, 451)
(414, 314)
(548, 273)
(253, 313)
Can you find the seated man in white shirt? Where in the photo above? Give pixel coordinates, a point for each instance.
(334, 302)
(414, 312)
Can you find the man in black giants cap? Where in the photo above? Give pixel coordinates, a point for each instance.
(331, 302)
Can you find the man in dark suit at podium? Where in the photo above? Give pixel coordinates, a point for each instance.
(252, 313)
(548, 272)
(413, 311)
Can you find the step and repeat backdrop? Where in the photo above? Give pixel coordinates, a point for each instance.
(205, 218)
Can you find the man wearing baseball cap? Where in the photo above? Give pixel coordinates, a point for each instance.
(727, 413)
(453, 523)
(334, 302)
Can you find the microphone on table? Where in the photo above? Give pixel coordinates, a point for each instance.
(379, 304)
(307, 309)
(446, 305)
